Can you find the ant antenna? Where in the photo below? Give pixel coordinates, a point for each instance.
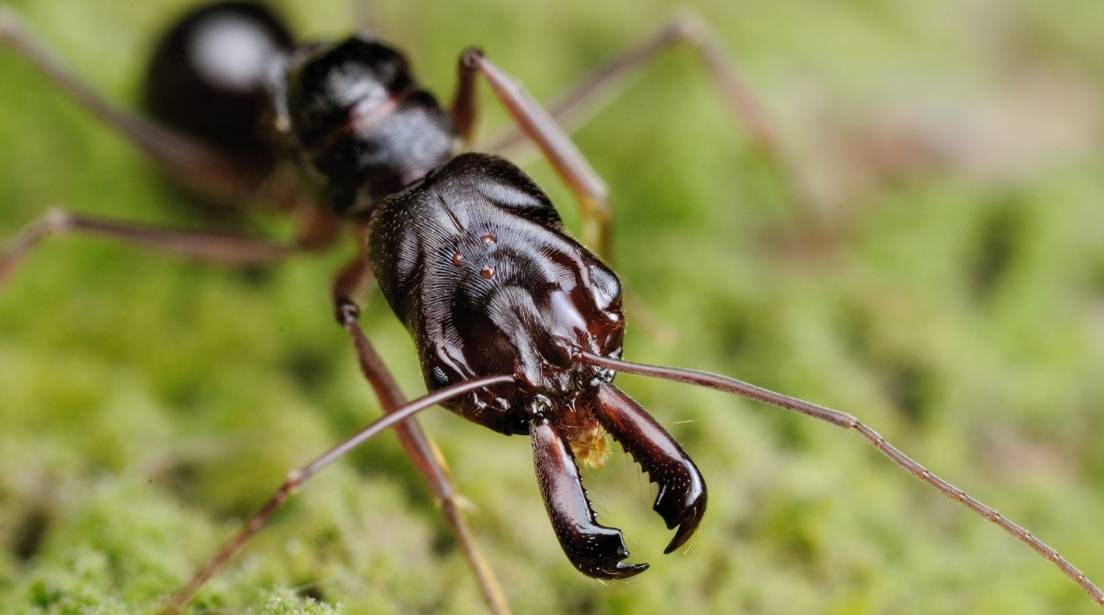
(848, 422)
(297, 477)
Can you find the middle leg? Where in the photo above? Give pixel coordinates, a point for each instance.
(297, 477)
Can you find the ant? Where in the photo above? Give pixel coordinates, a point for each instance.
(518, 326)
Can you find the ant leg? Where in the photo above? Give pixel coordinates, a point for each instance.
(191, 163)
(427, 458)
(535, 123)
(222, 248)
(463, 109)
(847, 423)
(576, 106)
(296, 478)
(566, 159)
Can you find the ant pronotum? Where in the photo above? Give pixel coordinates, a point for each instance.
(518, 326)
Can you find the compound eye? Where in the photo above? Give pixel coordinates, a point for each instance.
(605, 287)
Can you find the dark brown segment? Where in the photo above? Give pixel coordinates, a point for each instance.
(596, 550)
(465, 105)
(682, 494)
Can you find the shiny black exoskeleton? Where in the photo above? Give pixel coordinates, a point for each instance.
(468, 251)
(475, 260)
(482, 274)
(361, 126)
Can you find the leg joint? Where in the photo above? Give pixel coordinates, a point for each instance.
(347, 312)
(471, 58)
(57, 219)
(292, 481)
(688, 25)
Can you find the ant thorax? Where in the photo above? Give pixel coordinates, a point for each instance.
(360, 125)
(221, 55)
(479, 268)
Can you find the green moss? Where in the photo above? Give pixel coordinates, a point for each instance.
(149, 404)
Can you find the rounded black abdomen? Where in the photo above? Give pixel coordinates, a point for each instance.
(207, 77)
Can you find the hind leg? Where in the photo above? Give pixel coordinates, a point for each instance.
(186, 160)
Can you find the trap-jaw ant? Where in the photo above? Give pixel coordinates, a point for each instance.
(518, 326)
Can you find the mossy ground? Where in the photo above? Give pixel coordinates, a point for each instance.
(148, 404)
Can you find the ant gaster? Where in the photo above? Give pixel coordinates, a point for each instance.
(518, 326)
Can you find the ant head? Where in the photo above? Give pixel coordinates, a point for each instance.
(475, 260)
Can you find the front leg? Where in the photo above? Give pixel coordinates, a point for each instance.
(581, 178)
(299, 476)
(427, 458)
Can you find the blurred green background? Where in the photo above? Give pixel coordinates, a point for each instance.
(944, 281)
